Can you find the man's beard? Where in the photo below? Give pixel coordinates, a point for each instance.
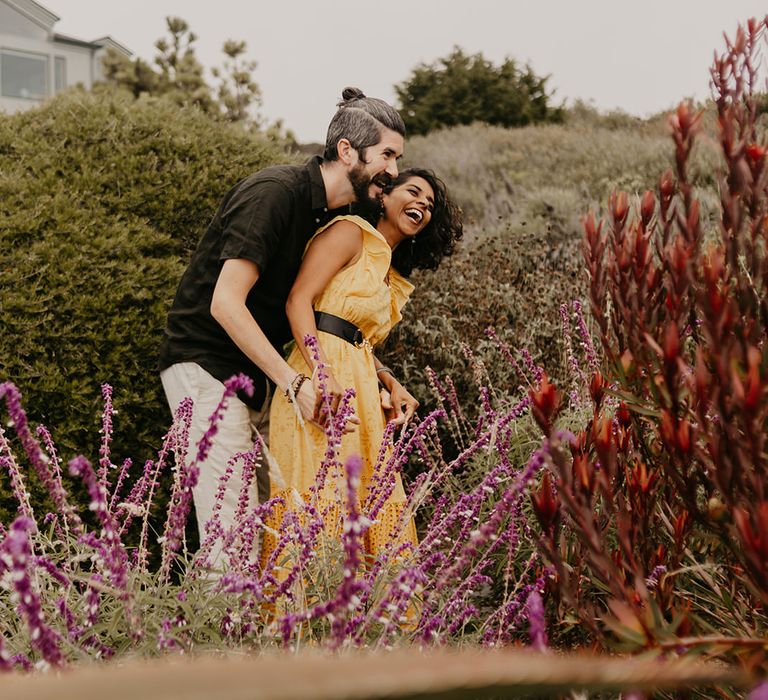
(365, 205)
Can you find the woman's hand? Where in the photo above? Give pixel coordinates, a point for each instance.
(398, 404)
(334, 392)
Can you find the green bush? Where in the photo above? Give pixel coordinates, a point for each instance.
(513, 281)
(462, 89)
(102, 199)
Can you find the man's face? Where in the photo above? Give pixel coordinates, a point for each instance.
(369, 177)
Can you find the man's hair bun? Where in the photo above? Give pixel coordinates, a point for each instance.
(352, 93)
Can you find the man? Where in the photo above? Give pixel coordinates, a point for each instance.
(228, 315)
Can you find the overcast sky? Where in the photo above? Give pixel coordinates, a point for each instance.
(641, 56)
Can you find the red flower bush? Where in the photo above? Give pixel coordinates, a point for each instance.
(667, 485)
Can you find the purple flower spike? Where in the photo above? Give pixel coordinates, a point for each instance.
(17, 548)
(113, 557)
(760, 692)
(343, 608)
(105, 463)
(586, 339)
(537, 626)
(239, 382)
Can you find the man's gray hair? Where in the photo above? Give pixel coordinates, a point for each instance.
(360, 120)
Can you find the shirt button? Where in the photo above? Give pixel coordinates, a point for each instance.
(317, 221)
(325, 209)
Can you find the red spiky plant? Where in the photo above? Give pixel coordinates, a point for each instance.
(659, 505)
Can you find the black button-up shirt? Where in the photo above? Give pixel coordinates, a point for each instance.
(266, 218)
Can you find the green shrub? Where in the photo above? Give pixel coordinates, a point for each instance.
(462, 89)
(513, 281)
(102, 199)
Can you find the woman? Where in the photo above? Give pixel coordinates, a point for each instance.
(349, 294)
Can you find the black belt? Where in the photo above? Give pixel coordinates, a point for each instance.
(328, 323)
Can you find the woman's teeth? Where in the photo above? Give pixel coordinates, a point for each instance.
(415, 215)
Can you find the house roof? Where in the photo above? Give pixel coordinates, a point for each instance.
(110, 43)
(46, 19)
(66, 39)
(34, 11)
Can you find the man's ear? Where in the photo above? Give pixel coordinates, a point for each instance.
(347, 154)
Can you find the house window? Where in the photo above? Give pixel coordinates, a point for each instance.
(23, 75)
(60, 73)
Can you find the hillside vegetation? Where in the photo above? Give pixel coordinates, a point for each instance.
(103, 198)
(524, 193)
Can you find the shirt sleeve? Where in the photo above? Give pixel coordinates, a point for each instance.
(254, 220)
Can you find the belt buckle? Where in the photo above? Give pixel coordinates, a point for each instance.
(360, 341)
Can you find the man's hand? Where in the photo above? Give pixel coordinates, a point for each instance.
(399, 405)
(306, 400)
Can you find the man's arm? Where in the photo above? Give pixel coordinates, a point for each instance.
(235, 281)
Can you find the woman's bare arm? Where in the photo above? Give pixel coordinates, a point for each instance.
(334, 249)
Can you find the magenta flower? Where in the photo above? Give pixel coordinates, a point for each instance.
(105, 463)
(17, 548)
(537, 626)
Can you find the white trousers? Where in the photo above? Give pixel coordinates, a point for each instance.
(236, 433)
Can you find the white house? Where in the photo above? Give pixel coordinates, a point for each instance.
(36, 62)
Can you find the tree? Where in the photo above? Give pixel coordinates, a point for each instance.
(237, 91)
(461, 89)
(180, 76)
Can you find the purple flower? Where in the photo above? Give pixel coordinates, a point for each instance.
(105, 462)
(586, 339)
(39, 461)
(113, 557)
(653, 580)
(17, 548)
(124, 469)
(18, 486)
(537, 626)
(349, 594)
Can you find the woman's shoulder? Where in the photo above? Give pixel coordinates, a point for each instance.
(342, 228)
(345, 223)
(367, 240)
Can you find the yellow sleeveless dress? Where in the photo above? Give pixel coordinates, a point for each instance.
(370, 294)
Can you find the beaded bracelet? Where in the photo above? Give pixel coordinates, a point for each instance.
(292, 390)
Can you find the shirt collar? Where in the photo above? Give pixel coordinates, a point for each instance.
(316, 184)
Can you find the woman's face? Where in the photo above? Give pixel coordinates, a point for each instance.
(409, 205)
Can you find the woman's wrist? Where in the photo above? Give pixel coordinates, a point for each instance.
(386, 377)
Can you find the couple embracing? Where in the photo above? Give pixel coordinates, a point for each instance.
(321, 250)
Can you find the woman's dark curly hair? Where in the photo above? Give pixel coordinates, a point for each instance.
(439, 236)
